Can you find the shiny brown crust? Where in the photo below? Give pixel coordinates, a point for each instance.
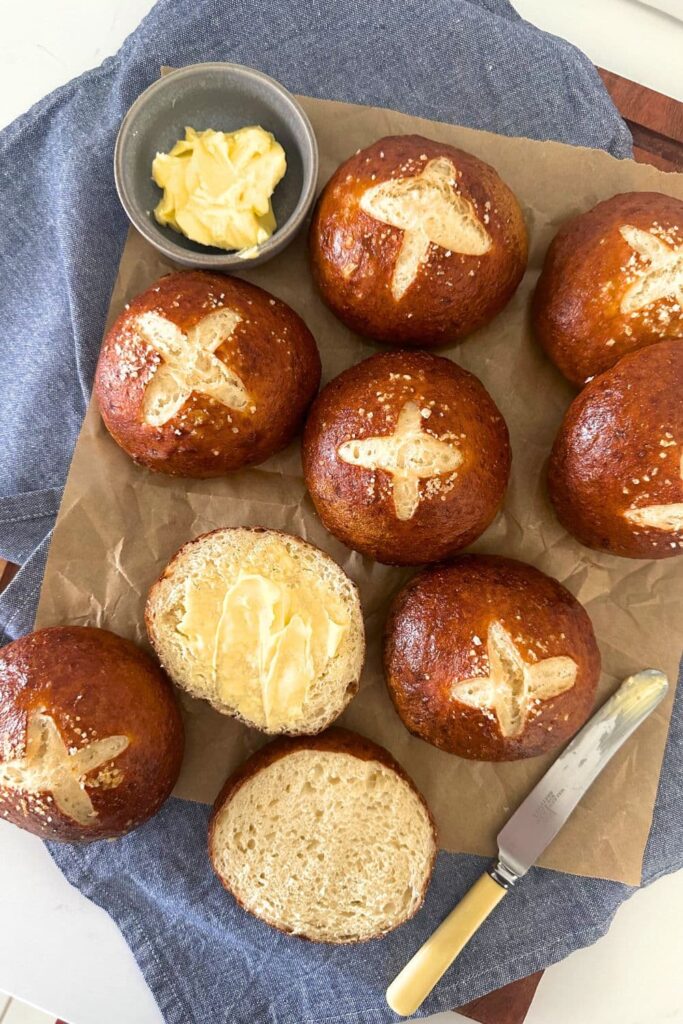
(94, 685)
(271, 350)
(357, 505)
(589, 265)
(429, 643)
(453, 294)
(335, 740)
(619, 448)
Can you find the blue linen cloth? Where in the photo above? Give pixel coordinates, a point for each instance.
(474, 62)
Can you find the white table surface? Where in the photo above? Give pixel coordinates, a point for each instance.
(60, 952)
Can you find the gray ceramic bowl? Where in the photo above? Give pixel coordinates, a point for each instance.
(224, 97)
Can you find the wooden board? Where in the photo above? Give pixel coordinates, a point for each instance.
(7, 573)
(656, 123)
(507, 1005)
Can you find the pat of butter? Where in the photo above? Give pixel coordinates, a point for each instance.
(218, 186)
(262, 640)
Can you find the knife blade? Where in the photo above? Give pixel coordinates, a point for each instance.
(529, 831)
(542, 814)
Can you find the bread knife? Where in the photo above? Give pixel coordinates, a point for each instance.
(529, 831)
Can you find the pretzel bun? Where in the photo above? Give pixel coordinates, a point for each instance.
(612, 283)
(91, 737)
(616, 468)
(324, 837)
(490, 659)
(263, 625)
(203, 374)
(406, 457)
(414, 242)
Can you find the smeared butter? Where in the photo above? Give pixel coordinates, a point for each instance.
(262, 640)
(218, 186)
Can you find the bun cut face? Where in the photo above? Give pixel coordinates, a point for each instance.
(263, 625)
(414, 242)
(91, 738)
(615, 476)
(490, 659)
(204, 374)
(324, 837)
(612, 282)
(406, 457)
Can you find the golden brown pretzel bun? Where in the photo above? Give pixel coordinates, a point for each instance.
(612, 282)
(91, 738)
(203, 374)
(414, 242)
(406, 457)
(325, 837)
(616, 465)
(490, 659)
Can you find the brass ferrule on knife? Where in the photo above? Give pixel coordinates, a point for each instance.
(502, 874)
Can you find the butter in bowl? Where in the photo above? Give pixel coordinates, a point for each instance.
(216, 166)
(218, 187)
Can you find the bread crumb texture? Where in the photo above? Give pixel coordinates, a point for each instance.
(668, 518)
(430, 211)
(261, 624)
(49, 773)
(325, 845)
(189, 364)
(654, 272)
(409, 454)
(513, 687)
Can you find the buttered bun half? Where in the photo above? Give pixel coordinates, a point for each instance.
(490, 659)
(615, 476)
(414, 242)
(263, 625)
(324, 837)
(204, 374)
(406, 457)
(91, 738)
(612, 282)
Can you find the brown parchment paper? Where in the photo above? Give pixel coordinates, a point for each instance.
(119, 524)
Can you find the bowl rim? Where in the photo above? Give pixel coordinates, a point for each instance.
(284, 233)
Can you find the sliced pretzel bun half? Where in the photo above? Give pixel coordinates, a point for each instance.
(324, 837)
(263, 625)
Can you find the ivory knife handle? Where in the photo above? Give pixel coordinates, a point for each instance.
(410, 988)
